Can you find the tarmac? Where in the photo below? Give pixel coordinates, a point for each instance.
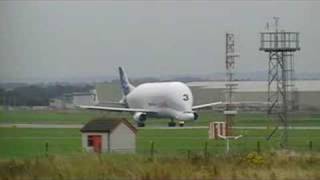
(78, 126)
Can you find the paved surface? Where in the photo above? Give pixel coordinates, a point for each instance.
(78, 126)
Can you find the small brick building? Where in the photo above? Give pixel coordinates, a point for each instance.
(109, 135)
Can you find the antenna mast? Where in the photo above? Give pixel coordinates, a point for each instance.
(230, 111)
(280, 46)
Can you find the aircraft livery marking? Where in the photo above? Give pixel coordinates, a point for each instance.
(185, 97)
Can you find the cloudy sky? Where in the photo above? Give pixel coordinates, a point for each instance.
(56, 40)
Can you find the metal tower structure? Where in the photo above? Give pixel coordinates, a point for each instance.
(230, 111)
(280, 46)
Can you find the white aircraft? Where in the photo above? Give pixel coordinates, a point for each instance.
(171, 100)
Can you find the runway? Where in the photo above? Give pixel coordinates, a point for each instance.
(78, 126)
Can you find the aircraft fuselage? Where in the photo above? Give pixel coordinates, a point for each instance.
(168, 99)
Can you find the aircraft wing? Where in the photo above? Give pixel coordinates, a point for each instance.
(206, 105)
(106, 103)
(119, 109)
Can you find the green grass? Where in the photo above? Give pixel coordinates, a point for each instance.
(178, 154)
(21, 143)
(50, 117)
(15, 142)
(180, 141)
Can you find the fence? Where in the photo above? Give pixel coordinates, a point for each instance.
(218, 147)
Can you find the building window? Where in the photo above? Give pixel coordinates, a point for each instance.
(90, 141)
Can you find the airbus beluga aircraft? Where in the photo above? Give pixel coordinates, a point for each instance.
(172, 100)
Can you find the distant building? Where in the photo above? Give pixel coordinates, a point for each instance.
(39, 108)
(305, 96)
(57, 103)
(71, 100)
(81, 98)
(109, 135)
(107, 92)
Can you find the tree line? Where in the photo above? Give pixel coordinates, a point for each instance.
(37, 95)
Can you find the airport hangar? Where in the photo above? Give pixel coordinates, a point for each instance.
(305, 97)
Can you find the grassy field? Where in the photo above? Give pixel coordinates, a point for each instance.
(178, 153)
(16, 142)
(22, 143)
(61, 117)
(31, 142)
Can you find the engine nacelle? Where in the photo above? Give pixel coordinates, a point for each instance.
(195, 116)
(140, 117)
(187, 116)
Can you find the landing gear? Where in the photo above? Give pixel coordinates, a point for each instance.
(181, 123)
(140, 124)
(172, 123)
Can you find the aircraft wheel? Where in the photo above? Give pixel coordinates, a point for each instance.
(171, 124)
(141, 124)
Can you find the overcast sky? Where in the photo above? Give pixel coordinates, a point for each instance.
(57, 40)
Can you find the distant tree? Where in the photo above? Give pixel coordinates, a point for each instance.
(2, 94)
(35, 95)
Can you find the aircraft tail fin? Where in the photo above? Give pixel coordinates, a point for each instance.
(124, 81)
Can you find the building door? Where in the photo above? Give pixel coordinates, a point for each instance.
(97, 143)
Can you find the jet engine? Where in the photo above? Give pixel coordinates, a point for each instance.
(187, 116)
(195, 116)
(140, 117)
